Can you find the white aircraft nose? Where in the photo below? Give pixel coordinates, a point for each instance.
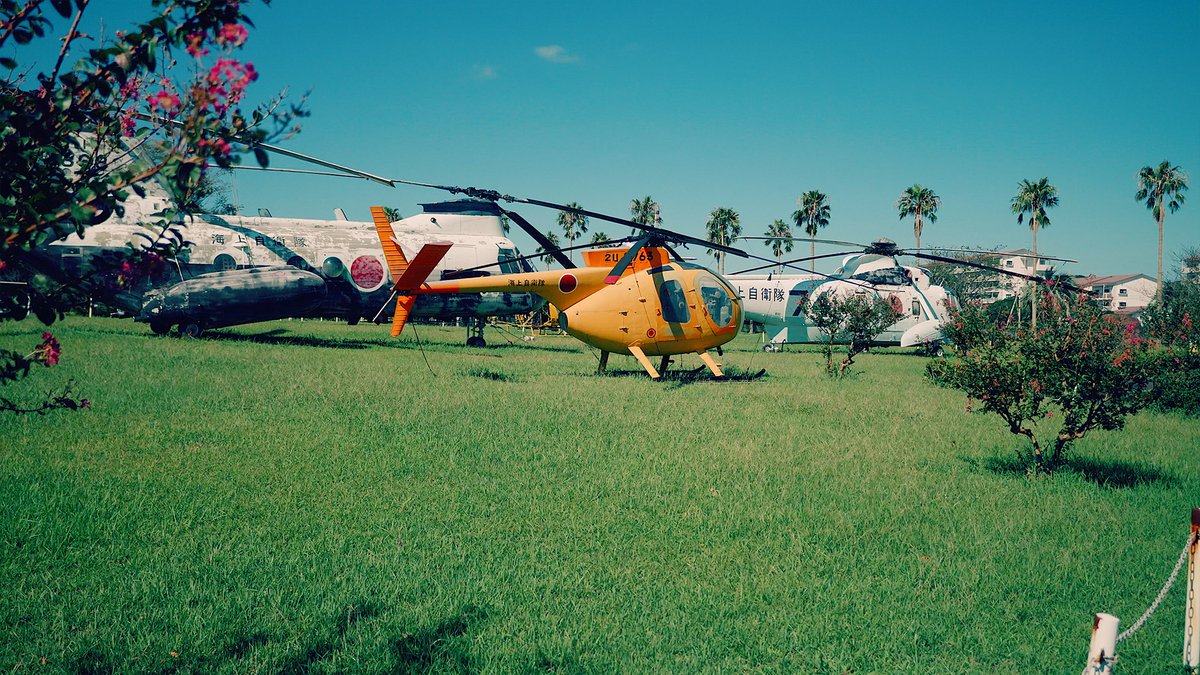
(926, 331)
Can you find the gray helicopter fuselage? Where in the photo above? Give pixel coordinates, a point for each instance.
(242, 269)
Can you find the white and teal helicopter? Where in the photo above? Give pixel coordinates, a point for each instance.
(777, 300)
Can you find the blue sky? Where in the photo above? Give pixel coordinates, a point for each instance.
(747, 105)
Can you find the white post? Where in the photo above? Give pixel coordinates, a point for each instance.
(1191, 630)
(1103, 651)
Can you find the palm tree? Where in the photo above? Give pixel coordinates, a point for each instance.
(392, 213)
(922, 204)
(544, 253)
(1034, 199)
(645, 211)
(1164, 185)
(812, 215)
(724, 225)
(779, 240)
(574, 224)
(599, 238)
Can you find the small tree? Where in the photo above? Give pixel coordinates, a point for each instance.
(1081, 368)
(574, 224)
(854, 320)
(922, 204)
(779, 240)
(724, 226)
(812, 215)
(546, 255)
(1159, 187)
(645, 211)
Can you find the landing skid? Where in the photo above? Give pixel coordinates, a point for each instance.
(657, 374)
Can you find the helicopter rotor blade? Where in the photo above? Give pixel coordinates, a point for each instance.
(496, 196)
(837, 242)
(967, 263)
(668, 235)
(615, 275)
(547, 245)
(791, 263)
(534, 256)
(993, 254)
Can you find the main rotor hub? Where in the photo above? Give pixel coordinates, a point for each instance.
(883, 246)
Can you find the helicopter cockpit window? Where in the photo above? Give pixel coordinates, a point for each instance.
(717, 299)
(889, 276)
(505, 257)
(674, 302)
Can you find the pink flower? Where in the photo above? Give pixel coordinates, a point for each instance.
(166, 100)
(216, 147)
(232, 34)
(195, 45)
(47, 353)
(128, 125)
(131, 88)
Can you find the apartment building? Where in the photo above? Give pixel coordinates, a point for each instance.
(1121, 293)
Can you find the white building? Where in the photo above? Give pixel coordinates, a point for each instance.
(1021, 261)
(1190, 269)
(1121, 293)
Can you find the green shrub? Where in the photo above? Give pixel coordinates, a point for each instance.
(1080, 369)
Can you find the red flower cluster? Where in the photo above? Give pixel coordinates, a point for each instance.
(195, 45)
(225, 84)
(166, 100)
(232, 34)
(47, 353)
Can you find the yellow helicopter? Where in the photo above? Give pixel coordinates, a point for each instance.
(628, 300)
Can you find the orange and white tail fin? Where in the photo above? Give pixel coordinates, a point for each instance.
(408, 277)
(396, 261)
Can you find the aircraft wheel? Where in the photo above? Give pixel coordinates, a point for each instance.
(938, 351)
(160, 326)
(191, 329)
(352, 320)
(770, 347)
(476, 341)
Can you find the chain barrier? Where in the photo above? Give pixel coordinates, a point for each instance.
(1183, 556)
(1190, 604)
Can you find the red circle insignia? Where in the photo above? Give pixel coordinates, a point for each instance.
(367, 272)
(650, 333)
(567, 283)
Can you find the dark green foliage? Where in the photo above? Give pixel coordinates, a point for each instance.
(1081, 364)
(1174, 323)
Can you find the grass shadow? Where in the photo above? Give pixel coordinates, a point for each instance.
(679, 378)
(487, 374)
(279, 336)
(1113, 474)
(438, 647)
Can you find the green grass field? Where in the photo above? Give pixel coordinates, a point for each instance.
(314, 497)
